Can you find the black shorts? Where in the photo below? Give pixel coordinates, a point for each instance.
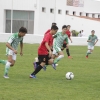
(43, 58)
(64, 45)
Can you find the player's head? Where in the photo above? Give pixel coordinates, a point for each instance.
(54, 30)
(68, 27)
(64, 29)
(22, 31)
(54, 24)
(92, 32)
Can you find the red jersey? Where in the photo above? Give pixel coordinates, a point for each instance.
(42, 50)
(47, 31)
(68, 33)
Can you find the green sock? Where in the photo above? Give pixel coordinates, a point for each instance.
(7, 67)
(3, 62)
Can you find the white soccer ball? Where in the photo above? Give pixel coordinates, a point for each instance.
(69, 75)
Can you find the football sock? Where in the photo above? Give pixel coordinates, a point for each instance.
(3, 62)
(58, 58)
(88, 52)
(67, 51)
(7, 67)
(37, 70)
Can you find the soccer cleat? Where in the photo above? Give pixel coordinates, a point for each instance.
(69, 57)
(44, 68)
(5, 76)
(87, 56)
(32, 76)
(54, 66)
(35, 65)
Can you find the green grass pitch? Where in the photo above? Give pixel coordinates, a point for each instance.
(51, 84)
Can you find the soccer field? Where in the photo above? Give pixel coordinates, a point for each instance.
(51, 84)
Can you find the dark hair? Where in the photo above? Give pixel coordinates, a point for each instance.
(93, 31)
(54, 24)
(64, 26)
(68, 26)
(23, 30)
(54, 28)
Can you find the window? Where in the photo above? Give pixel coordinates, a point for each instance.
(87, 15)
(93, 15)
(20, 18)
(74, 13)
(51, 10)
(67, 12)
(98, 16)
(43, 9)
(80, 13)
(59, 11)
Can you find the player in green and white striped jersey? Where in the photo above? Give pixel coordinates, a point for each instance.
(92, 40)
(59, 39)
(11, 49)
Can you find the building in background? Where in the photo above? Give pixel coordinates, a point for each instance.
(37, 15)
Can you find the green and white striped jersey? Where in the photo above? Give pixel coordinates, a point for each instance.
(59, 39)
(14, 40)
(93, 39)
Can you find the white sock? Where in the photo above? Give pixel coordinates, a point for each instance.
(58, 58)
(7, 67)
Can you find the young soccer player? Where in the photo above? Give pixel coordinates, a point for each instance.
(60, 37)
(44, 51)
(92, 40)
(53, 24)
(67, 45)
(36, 59)
(11, 49)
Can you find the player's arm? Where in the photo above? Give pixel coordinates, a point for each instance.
(21, 47)
(89, 40)
(47, 45)
(8, 44)
(70, 39)
(66, 40)
(48, 48)
(96, 41)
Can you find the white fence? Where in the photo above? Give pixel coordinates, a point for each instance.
(38, 38)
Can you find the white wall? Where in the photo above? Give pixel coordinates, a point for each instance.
(92, 6)
(43, 20)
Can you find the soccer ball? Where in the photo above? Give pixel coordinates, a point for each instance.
(69, 75)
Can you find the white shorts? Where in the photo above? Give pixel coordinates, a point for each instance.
(91, 47)
(56, 50)
(10, 52)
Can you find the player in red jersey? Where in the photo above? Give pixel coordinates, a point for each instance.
(67, 45)
(36, 59)
(53, 24)
(44, 51)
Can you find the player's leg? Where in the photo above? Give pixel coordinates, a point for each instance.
(57, 50)
(35, 63)
(64, 46)
(89, 51)
(67, 51)
(61, 55)
(3, 62)
(42, 60)
(10, 62)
